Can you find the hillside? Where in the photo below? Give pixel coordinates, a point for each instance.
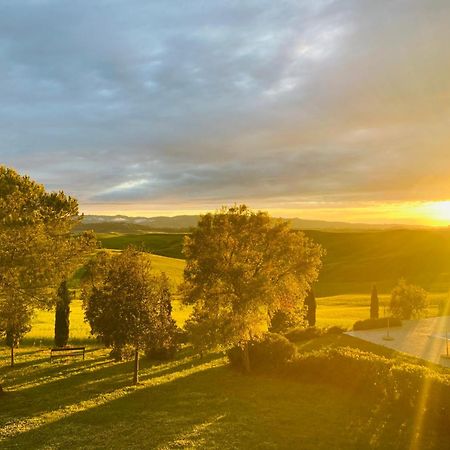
(354, 260)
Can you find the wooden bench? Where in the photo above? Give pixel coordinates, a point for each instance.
(63, 352)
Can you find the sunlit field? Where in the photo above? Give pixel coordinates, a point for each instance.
(337, 310)
(354, 260)
(345, 310)
(193, 403)
(340, 310)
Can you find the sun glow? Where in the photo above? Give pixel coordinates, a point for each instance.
(437, 212)
(431, 213)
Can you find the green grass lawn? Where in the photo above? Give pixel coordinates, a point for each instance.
(189, 403)
(164, 244)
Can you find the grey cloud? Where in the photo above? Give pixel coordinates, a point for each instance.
(153, 102)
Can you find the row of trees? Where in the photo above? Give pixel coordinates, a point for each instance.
(243, 270)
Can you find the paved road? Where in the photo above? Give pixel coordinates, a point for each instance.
(424, 338)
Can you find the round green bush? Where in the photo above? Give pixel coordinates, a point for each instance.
(268, 353)
(303, 334)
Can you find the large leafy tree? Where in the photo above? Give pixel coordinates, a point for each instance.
(125, 303)
(37, 249)
(241, 267)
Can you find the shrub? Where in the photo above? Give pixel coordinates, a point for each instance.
(407, 300)
(400, 384)
(283, 320)
(335, 330)
(269, 353)
(342, 366)
(161, 353)
(303, 334)
(123, 353)
(370, 324)
(165, 345)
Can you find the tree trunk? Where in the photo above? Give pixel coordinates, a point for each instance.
(12, 355)
(136, 366)
(246, 358)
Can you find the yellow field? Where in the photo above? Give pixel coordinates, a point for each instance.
(341, 310)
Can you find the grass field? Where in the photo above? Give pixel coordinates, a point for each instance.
(190, 403)
(354, 260)
(164, 244)
(341, 310)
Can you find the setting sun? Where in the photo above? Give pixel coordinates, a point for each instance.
(438, 213)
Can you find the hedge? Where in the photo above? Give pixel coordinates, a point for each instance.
(397, 383)
(370, 324)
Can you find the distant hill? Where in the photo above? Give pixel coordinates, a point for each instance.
(126, 224)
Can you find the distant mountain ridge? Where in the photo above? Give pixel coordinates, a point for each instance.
(127, 224)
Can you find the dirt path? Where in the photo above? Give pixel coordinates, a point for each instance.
(424, 338)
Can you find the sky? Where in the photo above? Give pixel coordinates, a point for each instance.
(335, 110)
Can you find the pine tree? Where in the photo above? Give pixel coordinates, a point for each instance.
(62, 314)
(374, 304)
(311, 305)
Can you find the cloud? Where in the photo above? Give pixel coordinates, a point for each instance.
(204, 103)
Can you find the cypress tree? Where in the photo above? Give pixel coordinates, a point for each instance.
(62, 314)
(374, 304)
(311, 304)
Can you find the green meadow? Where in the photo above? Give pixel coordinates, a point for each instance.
(192, 402)
(354, 260)
(335, 310)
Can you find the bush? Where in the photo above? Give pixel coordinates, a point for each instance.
(161, 353)
(408, 301)
(123, 353)
(164, 346)
(269, 353)
(303, 334)
(335, 330)
(395, 383)
(370, 324)
(282, 320)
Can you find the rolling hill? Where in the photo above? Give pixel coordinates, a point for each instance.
(354, 261)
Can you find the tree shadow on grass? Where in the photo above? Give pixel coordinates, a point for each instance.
(214, 407)
(192, 402)
(32, 370)
(58, 387)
